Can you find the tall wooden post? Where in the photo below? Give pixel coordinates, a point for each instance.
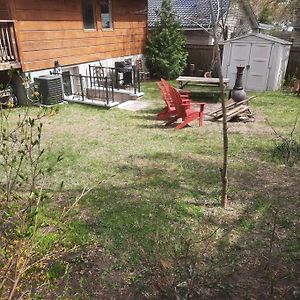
(224, 172)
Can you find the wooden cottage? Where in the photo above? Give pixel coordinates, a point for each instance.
(74, 34)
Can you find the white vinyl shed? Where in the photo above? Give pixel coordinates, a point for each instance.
(264, 57)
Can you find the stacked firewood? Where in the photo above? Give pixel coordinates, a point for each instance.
(236, 111)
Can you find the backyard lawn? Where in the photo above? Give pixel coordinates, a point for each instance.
(152, 226)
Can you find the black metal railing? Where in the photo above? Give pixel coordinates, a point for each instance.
(99, 88)
(8, 45)
(101, 83)
(127, 78)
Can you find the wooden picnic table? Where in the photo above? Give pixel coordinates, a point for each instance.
(185, 80)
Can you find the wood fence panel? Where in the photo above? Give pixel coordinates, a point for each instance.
(293, 68)
(201, 56)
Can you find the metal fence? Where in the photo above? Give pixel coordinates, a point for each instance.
(88, 87)
(101, 83)
(127, 78)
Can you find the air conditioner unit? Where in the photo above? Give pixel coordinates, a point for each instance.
(50, 88)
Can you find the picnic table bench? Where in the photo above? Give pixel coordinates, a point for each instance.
(185, 80)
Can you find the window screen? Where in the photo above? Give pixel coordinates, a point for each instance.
(88, 12)
(106, 16)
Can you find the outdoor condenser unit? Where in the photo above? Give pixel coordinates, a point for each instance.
(50, 88)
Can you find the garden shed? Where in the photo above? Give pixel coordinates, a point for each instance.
(265, 59)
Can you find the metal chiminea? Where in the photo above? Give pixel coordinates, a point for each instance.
(237, 93)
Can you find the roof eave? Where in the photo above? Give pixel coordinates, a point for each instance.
(262, 36)
(186, 28)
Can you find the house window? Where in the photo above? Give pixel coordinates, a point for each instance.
(88, 13)
(106, 15)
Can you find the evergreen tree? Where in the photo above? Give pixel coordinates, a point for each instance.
(266, 15)
(166, 54)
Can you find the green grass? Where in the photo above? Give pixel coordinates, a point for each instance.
(280, 108)
(163, 186)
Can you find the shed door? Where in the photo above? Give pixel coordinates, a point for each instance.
(257, 70)
(239, 56)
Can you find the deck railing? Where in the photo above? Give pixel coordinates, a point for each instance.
(98, 88)
(8, 45)
(127, 78)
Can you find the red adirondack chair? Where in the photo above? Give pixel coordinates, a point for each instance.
(170, 110)
(185, 95)
(184, 111)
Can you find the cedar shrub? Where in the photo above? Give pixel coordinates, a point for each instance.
(166, 54)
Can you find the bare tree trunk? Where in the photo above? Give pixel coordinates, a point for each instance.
(224, 177)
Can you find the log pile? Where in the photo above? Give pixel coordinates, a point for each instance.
(236, 111)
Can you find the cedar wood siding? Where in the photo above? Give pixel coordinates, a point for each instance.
(4, 11)
(49, 30)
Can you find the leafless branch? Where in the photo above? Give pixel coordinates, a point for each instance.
(272, 239)
(84, 192)
(294, 127)
(274, 130)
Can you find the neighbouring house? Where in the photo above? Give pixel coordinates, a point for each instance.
(37, 35)
(194, 16)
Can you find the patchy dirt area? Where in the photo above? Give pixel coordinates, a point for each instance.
(257, 126)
